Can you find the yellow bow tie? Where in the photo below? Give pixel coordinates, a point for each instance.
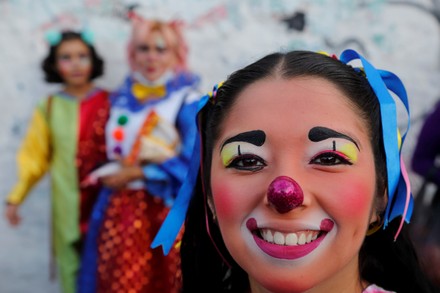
(142, 92)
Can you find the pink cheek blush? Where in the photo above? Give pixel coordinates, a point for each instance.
(63, 70)
(354, 198)
(223, 200)
(64, 65)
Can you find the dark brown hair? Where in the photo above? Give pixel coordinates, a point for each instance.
(49, 63)
(382, 261)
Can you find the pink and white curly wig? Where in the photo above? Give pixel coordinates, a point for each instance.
(171, 32)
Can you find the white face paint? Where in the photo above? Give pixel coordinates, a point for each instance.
(153, 57)
(285, 252)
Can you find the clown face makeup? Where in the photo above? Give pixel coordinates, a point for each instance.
(153, 57)
(73, 62)
(293, 185)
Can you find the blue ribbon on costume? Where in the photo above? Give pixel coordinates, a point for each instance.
(176, 217)
(400, 201)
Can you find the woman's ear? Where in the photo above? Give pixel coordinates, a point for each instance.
(379, 207)
(383, 201)
(374, 217)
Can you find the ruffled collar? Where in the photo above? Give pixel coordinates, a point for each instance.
(124, 97)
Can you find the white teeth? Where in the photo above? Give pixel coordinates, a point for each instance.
(291, 239)
(268, 237)
(278, 238)
(309, 238)
(302, 239)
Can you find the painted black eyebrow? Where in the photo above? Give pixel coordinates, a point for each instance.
(320, 133)
(255, 137)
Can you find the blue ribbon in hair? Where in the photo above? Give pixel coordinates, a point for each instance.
(400, 201)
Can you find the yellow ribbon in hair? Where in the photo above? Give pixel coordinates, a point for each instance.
(323, 53)
(142, 92)
(399, 139)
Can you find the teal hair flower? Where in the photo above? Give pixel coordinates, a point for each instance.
(87, 36)
(53, 37)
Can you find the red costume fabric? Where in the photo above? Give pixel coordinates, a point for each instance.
(131, 221)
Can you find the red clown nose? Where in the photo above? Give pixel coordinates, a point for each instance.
(284, 194)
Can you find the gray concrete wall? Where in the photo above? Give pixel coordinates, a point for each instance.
(223, 35)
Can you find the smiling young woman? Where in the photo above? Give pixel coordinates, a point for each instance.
(295, 182)
(334, 213)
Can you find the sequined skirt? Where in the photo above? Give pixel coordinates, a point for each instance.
(126, 263)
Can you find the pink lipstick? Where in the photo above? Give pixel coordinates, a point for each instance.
(288, 251)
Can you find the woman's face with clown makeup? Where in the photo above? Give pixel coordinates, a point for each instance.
(73, 62)
(153, 56)
(293, 185)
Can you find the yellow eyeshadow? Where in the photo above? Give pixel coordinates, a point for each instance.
(228, 152)
(350, 151)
